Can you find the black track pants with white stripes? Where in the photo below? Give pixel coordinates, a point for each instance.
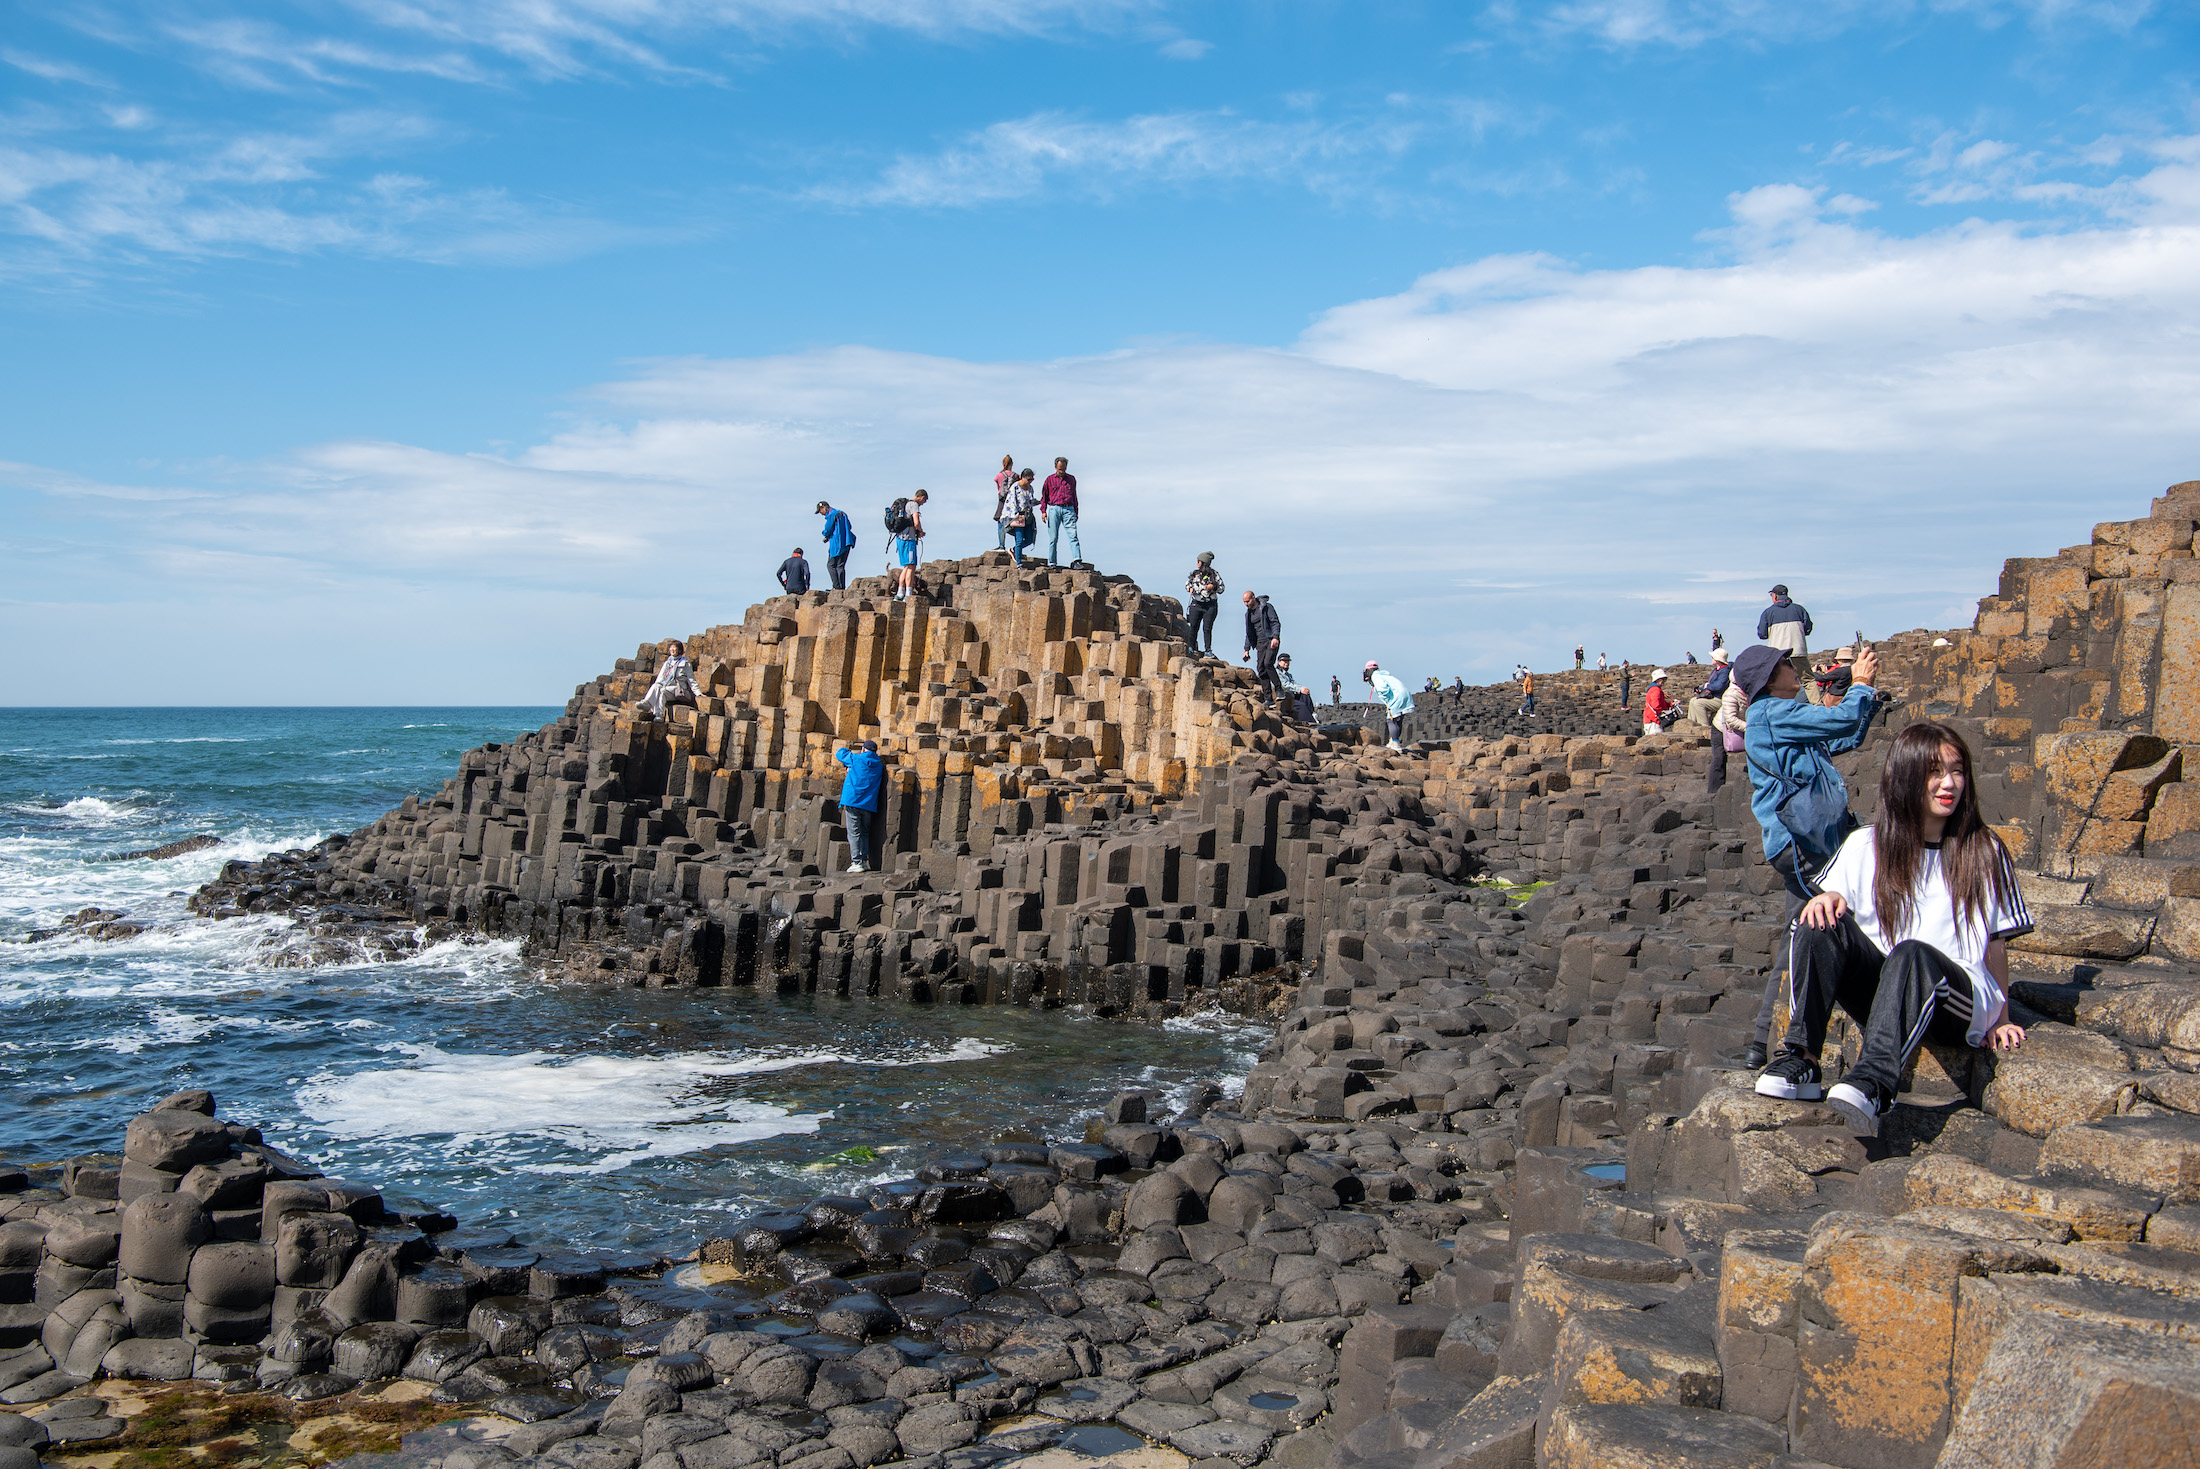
(1899, 998)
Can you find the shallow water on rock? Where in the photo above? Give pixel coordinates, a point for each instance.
(571, 1113)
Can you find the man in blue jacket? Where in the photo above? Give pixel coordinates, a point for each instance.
(840, 539)
(859, 800)
(1799, 799)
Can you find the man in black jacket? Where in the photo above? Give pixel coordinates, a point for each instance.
(1263, 635)
(794, 573)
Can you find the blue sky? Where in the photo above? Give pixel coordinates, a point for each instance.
(430, 351)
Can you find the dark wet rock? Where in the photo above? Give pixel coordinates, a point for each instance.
(181, 848)
(565, 1349)
(539, 1405)
(442, 1355)
(492, 1377)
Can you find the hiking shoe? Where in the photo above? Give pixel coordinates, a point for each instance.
(1792, 1077)
(1859, 1107)
(1753, 1056)
(857, 867)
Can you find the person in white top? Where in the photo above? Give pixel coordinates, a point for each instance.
(674, 684)
(1909, 932)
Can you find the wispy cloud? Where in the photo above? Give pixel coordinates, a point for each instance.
(491, 40)
(1024, 156)
(50, 69)
(68, 208)
(1690, 23)
(1500, 461)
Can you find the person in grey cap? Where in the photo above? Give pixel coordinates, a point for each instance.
(1786, 626)
(1202, 594)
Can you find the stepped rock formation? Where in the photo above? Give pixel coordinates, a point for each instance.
(1497, 1193)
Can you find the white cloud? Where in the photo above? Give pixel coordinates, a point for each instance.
(49, 69)
(73, 207)
(1495, 463)
(482, 40)
(1024, 156)
(1689, 23)
(1184, 48)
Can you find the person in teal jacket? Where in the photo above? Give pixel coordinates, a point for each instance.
(1799, 799)
(1397, 703)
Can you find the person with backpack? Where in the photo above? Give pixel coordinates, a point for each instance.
(905, 523)
(840, 539)
(794, 574)
(1060, 496)
(1799, 799)
(860, 790)
(1626, 685)
(1395, 700)
(1002, 484)
(1908, 931)
(1022, 516)
(1527, 693)
(1202, 597)
(1264, 637)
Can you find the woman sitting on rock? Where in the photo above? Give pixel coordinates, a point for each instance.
(675, 684)
(1908, 931)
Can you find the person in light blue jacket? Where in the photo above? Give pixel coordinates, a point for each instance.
(1799, 799)
(1396, 699)
(860, 790)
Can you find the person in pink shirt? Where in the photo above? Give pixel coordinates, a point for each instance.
(1003, 482)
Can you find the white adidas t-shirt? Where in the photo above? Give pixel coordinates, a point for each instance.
(1933, 919)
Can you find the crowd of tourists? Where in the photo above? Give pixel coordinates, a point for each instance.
(1904, 923)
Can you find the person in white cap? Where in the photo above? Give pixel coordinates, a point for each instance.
(1395, 699)
(1658, 707)
(1703, 707)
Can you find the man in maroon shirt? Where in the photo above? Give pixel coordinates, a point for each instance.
(1060, 498)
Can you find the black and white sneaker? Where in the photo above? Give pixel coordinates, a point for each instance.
(1792, 1077)
(1859, 1107)
(1753, 1057)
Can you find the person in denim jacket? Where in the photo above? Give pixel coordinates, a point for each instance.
(1798, 798)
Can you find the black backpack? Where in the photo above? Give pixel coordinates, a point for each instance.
(898, 519)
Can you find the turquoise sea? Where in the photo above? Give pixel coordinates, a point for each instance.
(572, 1113)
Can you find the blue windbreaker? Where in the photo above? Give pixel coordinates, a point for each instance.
(1797, 740)
(859, 788)
(840, 536)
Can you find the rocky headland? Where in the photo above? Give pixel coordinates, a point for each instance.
(1498, 1193)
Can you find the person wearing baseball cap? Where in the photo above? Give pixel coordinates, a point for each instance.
(1395, 699)
(1799, 799)
(1786, 626)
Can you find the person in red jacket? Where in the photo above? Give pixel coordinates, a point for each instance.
(1658, 707)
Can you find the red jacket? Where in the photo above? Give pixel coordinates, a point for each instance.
(1655, 701)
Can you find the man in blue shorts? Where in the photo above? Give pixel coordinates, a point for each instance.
(905, 549)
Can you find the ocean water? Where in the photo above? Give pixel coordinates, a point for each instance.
(571, 1113)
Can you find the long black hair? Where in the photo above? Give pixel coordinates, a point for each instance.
(1972, 859)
